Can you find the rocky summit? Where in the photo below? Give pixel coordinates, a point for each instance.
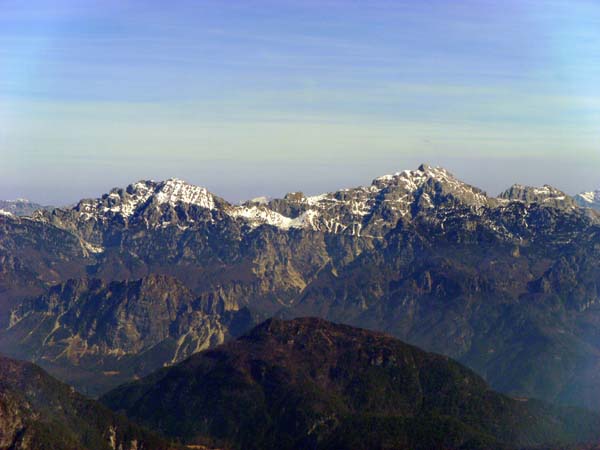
(141, 277)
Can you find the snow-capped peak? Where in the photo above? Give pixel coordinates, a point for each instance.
(353, 210)
(589, 199)
(175, 190)
(127, 202)
(413, 179)
(412, 183)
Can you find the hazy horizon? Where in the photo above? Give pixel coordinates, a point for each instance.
(321, 181)
(261, 98)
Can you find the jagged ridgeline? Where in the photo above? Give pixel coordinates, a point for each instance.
(142, 277)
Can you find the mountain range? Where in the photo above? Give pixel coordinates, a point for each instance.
(115, 287)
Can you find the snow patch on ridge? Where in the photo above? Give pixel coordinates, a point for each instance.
(126, 204)
(589, 199)
(175, 190)
(92, 248)
(260, 215)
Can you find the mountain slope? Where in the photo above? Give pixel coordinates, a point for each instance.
(33, 256)
(37, 412)
(308, 383)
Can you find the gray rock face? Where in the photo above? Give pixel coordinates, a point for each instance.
(129, 327)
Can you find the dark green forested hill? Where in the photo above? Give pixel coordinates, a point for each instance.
(38, 412)
(309, 383)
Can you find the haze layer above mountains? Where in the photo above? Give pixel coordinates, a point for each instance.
(24, 207)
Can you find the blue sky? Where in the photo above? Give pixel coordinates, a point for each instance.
(264, 97)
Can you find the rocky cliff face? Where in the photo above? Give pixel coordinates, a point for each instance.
(84, 328)
(507, 285)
